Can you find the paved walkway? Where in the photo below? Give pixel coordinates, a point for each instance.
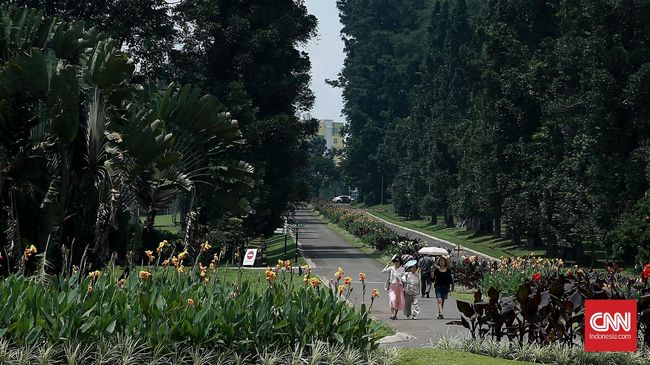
(328, 251)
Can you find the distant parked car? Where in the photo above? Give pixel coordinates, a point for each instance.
(342, 199)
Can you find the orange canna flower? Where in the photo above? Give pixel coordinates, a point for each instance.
(149, 253)
(270, 275)
(190, 301)
(341, 289)
(287, 264)
(375, 293)
(315, 282)
(362, 277)
(144, 275)
(174, 261)
(305, 279)
(182, 255)
(348, 280)
(165, 263)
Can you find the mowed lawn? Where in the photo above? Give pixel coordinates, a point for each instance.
(447, 357)
(487, 244)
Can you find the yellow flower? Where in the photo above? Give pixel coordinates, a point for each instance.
(190, 301)
(339, 274)
(75, 268)
(305, 279)
(182, 255)
(161, 246)
(341, 289)
(94, 274)
(205, 246)
(362, 277)
(144, 275)
(90, 289)
(121, 283)
(174, 261)
(213, 268)
(180, 268)
(287, 264)
(29, 251)
(375, 293)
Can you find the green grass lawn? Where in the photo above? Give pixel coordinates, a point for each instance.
(164, 223)
(447, 357)
(486, 244)
(275, 250)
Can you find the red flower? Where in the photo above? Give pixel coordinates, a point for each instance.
(646, 273)
(467, 261)
(537, 276)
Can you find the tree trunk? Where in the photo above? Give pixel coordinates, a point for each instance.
(150, 221)
(434, 219)
(497, 227)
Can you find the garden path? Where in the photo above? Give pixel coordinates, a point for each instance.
(328, 251)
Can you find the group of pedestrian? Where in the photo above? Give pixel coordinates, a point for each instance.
(404, 283)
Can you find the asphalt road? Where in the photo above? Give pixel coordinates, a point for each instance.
(329, 251)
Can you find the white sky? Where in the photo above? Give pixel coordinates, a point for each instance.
(326, 53)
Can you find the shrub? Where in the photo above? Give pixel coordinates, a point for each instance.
(550, 308)
(159, 307)
(368, 229)
(554, 353)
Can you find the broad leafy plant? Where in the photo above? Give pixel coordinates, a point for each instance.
(83, 149)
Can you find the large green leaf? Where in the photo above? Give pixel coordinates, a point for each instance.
(64, 102)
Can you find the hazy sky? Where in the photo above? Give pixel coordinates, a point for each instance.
(326, 52)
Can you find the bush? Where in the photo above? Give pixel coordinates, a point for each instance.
(550, 308)
(554, 353)
(369, 230)
(124, 350)
(160, 307)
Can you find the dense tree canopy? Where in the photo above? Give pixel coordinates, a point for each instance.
(521, 118)
(244, 52)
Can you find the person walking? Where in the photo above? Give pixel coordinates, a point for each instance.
(425, 264)
(411, 288)
(395, 289)
(443, 282)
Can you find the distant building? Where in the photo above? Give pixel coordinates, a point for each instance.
(330, 131)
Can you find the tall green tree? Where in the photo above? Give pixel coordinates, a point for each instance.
(247, 54)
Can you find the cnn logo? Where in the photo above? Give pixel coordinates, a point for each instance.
(605, 322)
(610, 325)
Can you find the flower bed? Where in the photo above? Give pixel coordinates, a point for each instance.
(368, 229)
(162, 306)
(548, 306)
